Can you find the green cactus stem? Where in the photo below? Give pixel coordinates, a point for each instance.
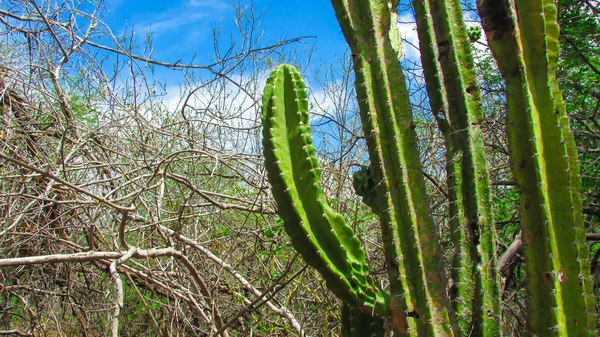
(320, 234)
(462, 286)
(439, 108)
(364, 186)
(411, 244)
(552, 35)
(357, 323)
(447, 58)
(544, 166)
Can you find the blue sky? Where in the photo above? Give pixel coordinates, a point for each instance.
(182, 28)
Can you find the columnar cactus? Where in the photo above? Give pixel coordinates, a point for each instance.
(456, 101)
(523, 40)
(412, 251)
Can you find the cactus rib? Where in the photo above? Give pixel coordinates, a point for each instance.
(357, 323)
(552, 166)
(319, 233)
(552, 36)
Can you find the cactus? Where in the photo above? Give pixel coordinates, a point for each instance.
(544, 165)
(543, 159)
(411, 245)
(551, 16)
(456, 101)
(357, 323)
(320, 234)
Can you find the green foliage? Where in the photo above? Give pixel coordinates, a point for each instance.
(578, 73)
(83, 110)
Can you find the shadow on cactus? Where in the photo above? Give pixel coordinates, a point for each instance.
(364, 186)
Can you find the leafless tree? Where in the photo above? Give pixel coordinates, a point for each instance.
(130, 208)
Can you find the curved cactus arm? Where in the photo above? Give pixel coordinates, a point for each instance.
(411, 245)
(543, 168)
(357, 323)
(320, 234)
(444, 38)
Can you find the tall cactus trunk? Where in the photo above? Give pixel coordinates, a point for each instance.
(544, 166)
(412, 252)
(551, 17)
(456, 102)
(439, 106)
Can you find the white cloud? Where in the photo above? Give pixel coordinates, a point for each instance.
(167, 21)
(221, 103)
(190, 12)
(224, 115)
(320, 102)
(410, 38)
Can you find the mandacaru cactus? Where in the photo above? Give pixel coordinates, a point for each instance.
(456, 101)
(320, 234)
(412, 251)
(523, 37)
(357, 323)
(524, 40)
